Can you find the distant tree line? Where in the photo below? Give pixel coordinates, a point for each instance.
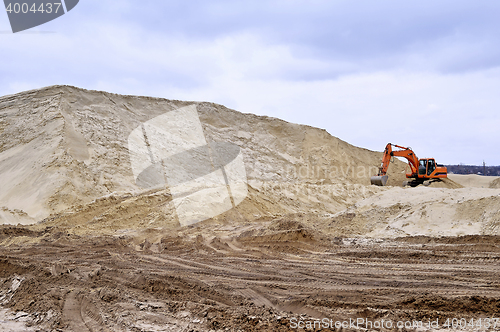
(473, 169)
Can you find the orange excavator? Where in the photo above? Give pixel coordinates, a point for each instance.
(421, 170)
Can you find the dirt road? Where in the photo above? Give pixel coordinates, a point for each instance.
(241, 278)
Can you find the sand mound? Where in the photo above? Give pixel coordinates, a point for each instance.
(62, 147)
(422, 211)
(495, 183)
(475, 181)
(445, 183)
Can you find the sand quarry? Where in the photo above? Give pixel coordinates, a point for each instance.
(85, 247)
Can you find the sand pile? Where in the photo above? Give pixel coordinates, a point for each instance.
(475, 181)
(495, 183)
(401, 212)
(68, 157)
(62, 147)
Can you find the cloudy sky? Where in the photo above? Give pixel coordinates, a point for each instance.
(424, 74)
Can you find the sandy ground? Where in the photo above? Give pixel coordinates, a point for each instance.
(83, 247)
(252, 277)
(425, 211)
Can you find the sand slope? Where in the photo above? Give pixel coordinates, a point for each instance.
(62, 147)
(424, 211)
(475, 181)
(495, 183)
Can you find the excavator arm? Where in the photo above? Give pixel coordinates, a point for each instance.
(381, 178)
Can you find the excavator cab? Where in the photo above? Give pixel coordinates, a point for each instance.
(426, 167)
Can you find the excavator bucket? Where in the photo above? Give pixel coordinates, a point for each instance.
(379, 180)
